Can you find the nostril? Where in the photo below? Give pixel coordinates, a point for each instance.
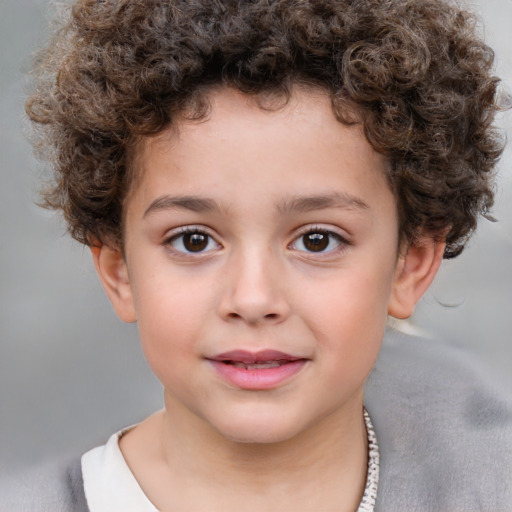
(271, 316)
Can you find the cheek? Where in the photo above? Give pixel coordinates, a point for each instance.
(348, 316)
(355, 296)
(171, 315)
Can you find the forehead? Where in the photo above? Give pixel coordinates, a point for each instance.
(297, 143)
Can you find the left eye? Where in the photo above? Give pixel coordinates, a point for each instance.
(193, 242)
(317, 241)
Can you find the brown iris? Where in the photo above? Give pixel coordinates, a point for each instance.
(195, 242)
(315, 242)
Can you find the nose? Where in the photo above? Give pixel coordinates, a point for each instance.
(253, 291)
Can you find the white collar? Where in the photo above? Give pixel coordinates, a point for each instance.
(109, 483)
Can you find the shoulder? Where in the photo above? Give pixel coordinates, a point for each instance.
(50, 487)
(444, 429)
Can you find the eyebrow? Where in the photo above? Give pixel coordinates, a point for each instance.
(300, 204)
(192, 203)
(297, 204)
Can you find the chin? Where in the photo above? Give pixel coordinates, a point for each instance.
(260, 437)
(261, 430)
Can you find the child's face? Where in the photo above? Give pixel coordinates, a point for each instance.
(260, 231)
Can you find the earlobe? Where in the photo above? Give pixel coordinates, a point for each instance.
(113, 273)
(414, 273)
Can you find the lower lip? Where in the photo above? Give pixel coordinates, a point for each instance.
(260, 378)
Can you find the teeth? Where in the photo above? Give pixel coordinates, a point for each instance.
(258, 366)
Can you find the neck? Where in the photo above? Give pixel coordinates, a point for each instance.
(322, 468)
(330, 442)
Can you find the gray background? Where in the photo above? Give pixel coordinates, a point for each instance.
(71, 373)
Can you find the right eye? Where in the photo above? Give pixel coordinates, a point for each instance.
(192, 241)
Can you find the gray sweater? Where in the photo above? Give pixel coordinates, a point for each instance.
(444, 432)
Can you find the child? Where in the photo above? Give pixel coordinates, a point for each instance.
(261, 184)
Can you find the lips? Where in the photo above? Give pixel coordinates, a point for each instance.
(262, 370)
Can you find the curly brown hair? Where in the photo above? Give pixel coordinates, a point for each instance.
(416, 71)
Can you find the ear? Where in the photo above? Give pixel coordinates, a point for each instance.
(415, 271)
(113, 273)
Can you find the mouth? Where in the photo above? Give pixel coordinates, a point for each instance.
(256, 360)
(256, 366)
(266, 369)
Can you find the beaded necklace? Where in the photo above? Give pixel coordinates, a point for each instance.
(372, 477)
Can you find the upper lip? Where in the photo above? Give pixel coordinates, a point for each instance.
(246, 357)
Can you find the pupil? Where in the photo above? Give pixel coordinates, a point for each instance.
(195, 242)
(316, 241)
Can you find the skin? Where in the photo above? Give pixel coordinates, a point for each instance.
(260, 180)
